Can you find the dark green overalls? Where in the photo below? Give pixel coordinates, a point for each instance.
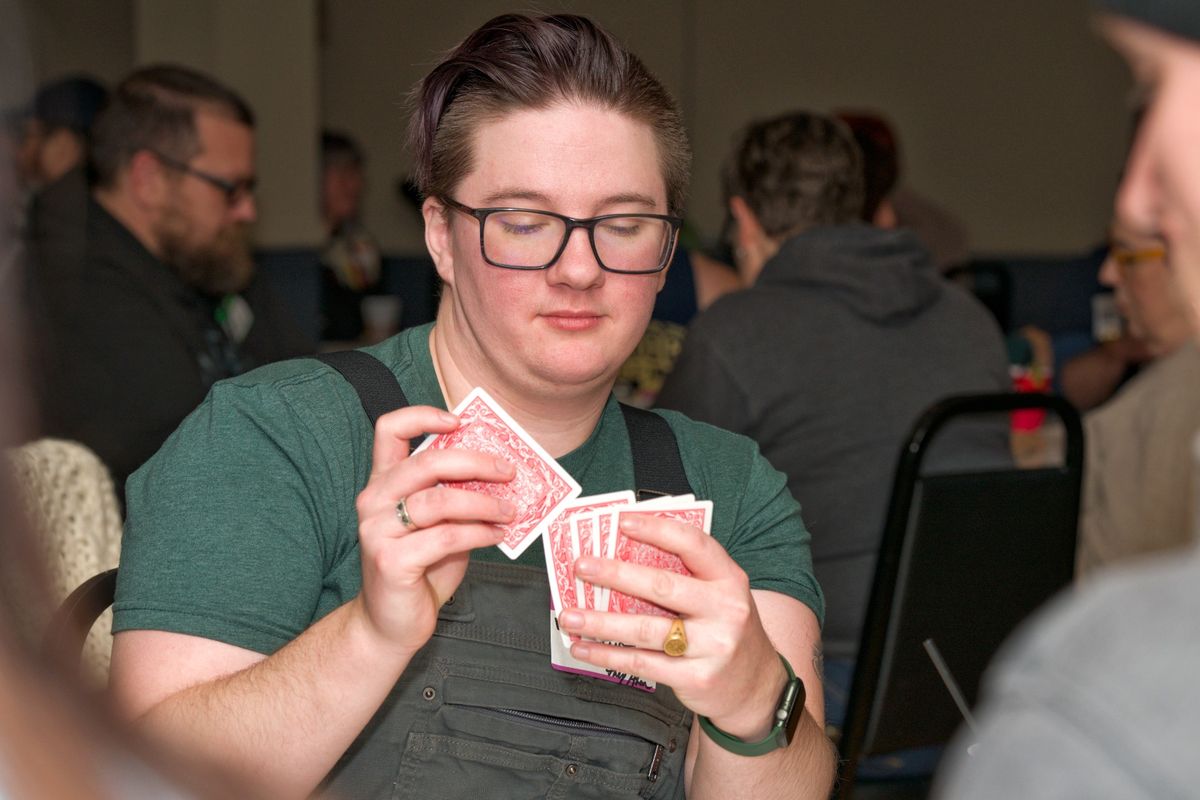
(480, 713)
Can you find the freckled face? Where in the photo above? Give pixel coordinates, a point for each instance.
(573, 324)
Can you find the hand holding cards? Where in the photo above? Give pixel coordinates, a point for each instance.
(591, 526)
(548, 506)
(540, 488)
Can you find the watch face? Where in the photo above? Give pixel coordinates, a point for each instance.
(792, 703)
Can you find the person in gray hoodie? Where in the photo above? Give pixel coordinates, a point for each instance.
(846, 334)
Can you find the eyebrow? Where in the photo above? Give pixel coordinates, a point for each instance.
(529, 195)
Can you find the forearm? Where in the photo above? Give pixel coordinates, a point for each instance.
(282, 723)
(805, 769)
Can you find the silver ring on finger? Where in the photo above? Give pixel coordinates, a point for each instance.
(402, 514)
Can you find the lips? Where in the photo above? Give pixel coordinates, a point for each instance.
(572, 319)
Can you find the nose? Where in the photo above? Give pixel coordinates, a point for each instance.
(245, 209)
(577, 267)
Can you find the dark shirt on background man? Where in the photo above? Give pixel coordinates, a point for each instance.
(57, 220)
(130, 349)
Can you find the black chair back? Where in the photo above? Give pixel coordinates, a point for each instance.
(73, 620)
(964, 559)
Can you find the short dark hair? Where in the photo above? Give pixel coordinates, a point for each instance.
(70, 103)
(154, 108)
(341, 148)
(797, 171)
(518, 62)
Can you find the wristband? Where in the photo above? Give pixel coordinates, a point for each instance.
(786, 718)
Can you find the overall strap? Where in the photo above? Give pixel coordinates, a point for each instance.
(378, 390)
(657, 466)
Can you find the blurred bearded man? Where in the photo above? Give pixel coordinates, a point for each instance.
(162, 304)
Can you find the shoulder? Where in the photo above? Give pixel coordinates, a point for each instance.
(720, 463)
(705, 439)
(1097, 692)
(1123, 640)
(966, 310)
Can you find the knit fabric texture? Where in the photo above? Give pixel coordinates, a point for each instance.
(72, 504)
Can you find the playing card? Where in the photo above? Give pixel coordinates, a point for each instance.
(562, 660)
(695, 513)
(608, 532)
(556, 543)
(606, 526)
(540, 488)
(583, 530)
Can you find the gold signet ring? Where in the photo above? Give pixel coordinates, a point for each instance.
(402, 515)
(675, 644)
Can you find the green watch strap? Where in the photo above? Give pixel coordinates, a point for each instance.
(786, 717)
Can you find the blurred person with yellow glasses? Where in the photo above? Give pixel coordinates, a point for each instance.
(1137, 493)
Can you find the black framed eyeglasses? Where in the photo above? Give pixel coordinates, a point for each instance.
(526, 238)
(234, 191)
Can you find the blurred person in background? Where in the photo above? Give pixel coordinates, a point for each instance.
(350, 260)
(1097, 697)
(846, 333)
(57, 130)
(1138, 485)
(56, 741)
(164, 303)
(57, 136)
(890, 203)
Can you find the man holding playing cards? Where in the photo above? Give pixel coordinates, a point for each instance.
(500, 611)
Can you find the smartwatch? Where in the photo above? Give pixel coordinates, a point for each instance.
(785, 721)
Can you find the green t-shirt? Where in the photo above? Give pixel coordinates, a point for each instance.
(243, 529)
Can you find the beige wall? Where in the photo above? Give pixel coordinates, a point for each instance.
(372, 54)
(267, 51)
(91, 37)
(1010, 114)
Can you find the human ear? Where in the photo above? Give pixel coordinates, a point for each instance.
(146, 180)
(751, 246)
(439, 238)
(746, 229)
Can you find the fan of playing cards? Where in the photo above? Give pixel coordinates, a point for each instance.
(548, 505)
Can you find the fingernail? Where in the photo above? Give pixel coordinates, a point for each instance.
(448, 418)
(581, 651)
(504, 467)
(499, 533)
(586, 566)
(570, 619)
(629, 523)
(507, 508)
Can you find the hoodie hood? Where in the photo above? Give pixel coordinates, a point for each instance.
(881, 275)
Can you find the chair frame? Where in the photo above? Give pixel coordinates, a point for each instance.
(68, 629)
(874, 639)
